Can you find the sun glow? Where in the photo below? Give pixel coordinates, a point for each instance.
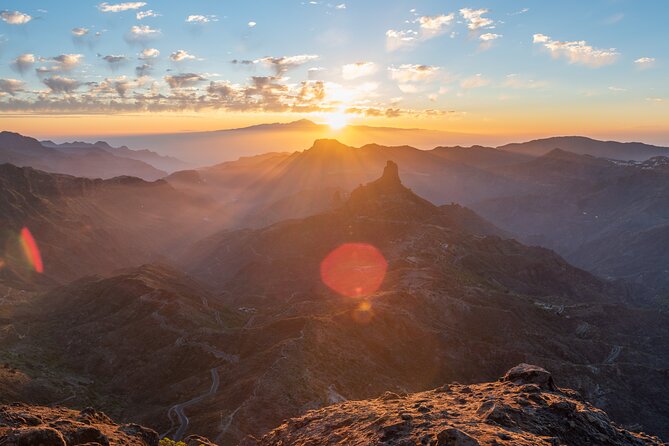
(336, 120)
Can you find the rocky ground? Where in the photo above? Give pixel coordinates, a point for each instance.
(525, 407)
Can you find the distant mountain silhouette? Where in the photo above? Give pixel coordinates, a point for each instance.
(587, 146)
(25, 151)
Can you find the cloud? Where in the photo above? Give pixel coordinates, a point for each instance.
(282, 64)
(251, 24)
(23, 63)
(181, 55)
(66, 62)
(489, 37)
(15, 17)
(79, 32)
(399, 39)
(10, 86)
(475, 81)
(120, 7)
(183, 80)
(149, 53)
(577, 52)
(358, 69)
(432, 26)
(115, 61)
(59, 84)
(142, 34)
(413, 73)
(341, 6)
(518, 82)
(141, 15)
(475, 19)
(120, 85)
(201, 19)
(645, 62)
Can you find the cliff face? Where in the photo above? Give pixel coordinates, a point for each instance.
(524, 407)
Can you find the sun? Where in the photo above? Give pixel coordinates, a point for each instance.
(336, 120)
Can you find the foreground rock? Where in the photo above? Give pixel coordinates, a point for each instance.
(523, 408)
(24, 425)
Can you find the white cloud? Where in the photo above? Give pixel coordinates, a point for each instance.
(645, 62)
(142, 33)
(149, 53)
(341, 6)
(488, 37)
(201, 19)
(475, 81)
(251, 24)
(617, 89)
(10, 86)
(577, 52)
(141, 15)
(434, 25)
(79, 32)
(181, 55)
(15, 17)
(358, 69)
(119, 7)
(67, 62)
(475, 19)
(285, 63)
(413, 73)
(399, 39)
(23, 63)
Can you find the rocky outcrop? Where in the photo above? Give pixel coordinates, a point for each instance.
(24, 425)
(522, 408)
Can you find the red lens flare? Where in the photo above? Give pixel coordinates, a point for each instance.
(354, 269)
(31, 251)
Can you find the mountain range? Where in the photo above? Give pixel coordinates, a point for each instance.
(240, 332)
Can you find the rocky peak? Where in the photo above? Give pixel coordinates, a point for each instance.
(387, 196)
(522, 408)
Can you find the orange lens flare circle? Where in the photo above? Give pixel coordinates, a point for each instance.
(354, 269)
(31, 251)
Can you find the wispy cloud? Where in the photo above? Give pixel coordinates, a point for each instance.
(141, 15)
(142, 34)
(15, 17)
(282, 64)
(577, 52)
(80, 32)
(413, 73)
(645, 62)
(475, 81)
(120, 7)
(428, 28)
(358, 69)
(475, 19)
(201, 19)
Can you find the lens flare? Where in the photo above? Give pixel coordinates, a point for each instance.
(354, 269)
(31, 251)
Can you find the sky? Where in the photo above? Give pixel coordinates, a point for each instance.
(512, 67)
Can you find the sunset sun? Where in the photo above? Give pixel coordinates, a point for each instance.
(337, 120)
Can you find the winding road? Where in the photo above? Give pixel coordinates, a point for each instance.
(178, 410)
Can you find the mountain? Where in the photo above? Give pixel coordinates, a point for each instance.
(120, 342)
(523, 408)
(206, 148)
(161, 162)
(25, 151)
(457, 303)
(586, 146)
(84, 226)
(607, 217)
